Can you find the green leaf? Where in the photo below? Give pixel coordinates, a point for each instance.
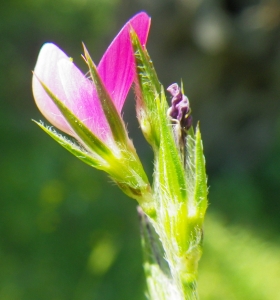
(73, 148)
(113, 117)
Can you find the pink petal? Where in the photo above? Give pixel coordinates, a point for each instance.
(116, 65)
(82, 99)
(67, 82)
(47, 70)
(64, 79)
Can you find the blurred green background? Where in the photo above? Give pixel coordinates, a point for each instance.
(67, 232)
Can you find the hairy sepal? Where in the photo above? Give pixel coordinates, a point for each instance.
(112, 115)
(171, 171)
(196, 174)
(83, 134)
(75, 149)
(147, 89)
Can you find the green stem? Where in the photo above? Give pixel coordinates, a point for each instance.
(169, 274)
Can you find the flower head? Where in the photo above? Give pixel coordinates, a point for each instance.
(90, 109)
(57, 71)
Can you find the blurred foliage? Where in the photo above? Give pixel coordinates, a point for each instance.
(66, 231)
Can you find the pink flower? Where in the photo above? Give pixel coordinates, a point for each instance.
(116, 69)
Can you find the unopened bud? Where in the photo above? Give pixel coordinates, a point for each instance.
(180, 107)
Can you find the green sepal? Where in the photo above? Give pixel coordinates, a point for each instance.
(196, 172)
(148, 88)
(171, 171)
(201, 189)
(75, 149)
(85, 135)
(113, 117)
